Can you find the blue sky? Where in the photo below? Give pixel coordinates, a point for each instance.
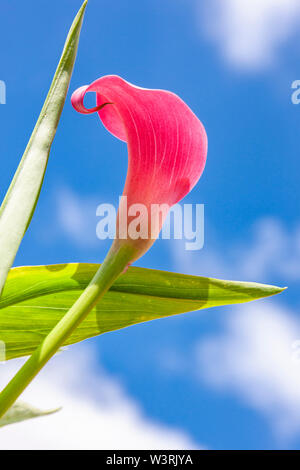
(221, 378)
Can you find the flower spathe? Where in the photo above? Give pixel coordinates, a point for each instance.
(167, 146)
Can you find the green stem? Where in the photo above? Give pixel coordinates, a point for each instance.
(114, 264)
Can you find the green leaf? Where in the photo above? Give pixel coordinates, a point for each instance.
(36, 297)
(21, 411)
(19, 203)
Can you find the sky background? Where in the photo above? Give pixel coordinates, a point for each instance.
(222, 378)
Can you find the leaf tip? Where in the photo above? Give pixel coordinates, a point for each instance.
(83, 7)
(273, 290)
(78, 18)
(52, 411)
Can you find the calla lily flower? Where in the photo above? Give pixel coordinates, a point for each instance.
(167, 147)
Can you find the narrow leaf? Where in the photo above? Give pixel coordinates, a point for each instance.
(19, 203)
(21, 411)
(36, 297)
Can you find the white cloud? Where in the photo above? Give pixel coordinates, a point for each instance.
(96, 414)
(253, 356)
(271, 250)
(76, 217)
(249, 32)
(274, 250)
(257, 358)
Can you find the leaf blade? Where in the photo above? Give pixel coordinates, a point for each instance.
(21, 411)
(21, 198)
(36, 297)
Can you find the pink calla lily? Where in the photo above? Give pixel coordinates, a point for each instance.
(167, 144)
